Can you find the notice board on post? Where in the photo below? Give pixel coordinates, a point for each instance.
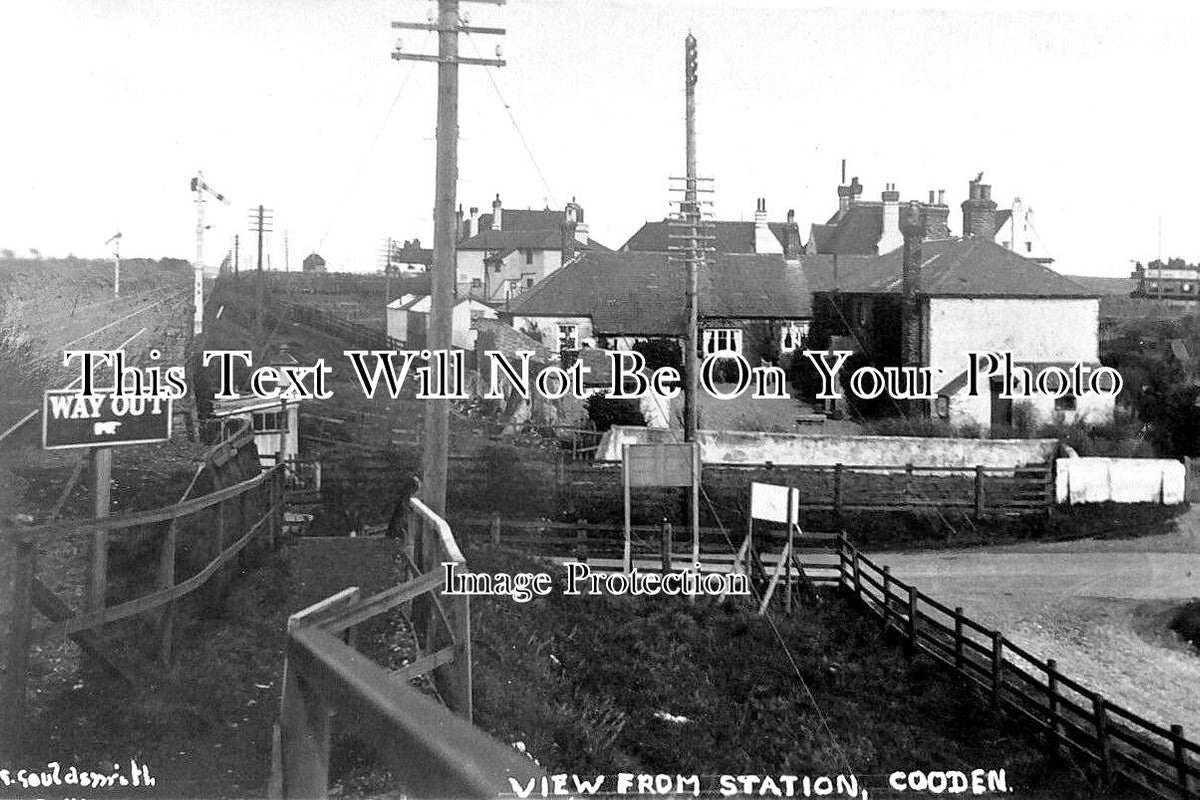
(675, 464)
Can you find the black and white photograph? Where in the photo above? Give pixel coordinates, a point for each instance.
(599, 398)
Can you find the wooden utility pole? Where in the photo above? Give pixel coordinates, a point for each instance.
(261, 220)
(691, 244)
(236, 257)
(439, 332)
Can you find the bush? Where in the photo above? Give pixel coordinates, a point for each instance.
(604, 411)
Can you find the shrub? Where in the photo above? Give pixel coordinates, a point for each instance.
(604, 411)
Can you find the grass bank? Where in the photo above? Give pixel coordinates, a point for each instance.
(603, 685)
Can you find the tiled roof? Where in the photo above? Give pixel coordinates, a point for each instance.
(971, 267)
(733, 236)
(853, 232)
(513, 240)
(642, 294)
(496, 335)
(518, 219)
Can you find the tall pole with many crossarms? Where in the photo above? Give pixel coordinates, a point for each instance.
(445, 237)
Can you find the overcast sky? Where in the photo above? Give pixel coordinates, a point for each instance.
(110, 106)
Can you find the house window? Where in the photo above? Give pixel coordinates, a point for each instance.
(722, 340)
(568, 337)
(268, 421)
(528, 256)
(1029, 247)
(529, 283)
(942, 406)
(791, 336)
(476, 283)
(496, 265)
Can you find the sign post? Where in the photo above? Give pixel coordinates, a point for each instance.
(99, 422)
(661, 465)
(97, 581)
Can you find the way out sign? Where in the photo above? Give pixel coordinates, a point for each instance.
(71, 419)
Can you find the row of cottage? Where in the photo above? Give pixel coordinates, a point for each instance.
(541, 282)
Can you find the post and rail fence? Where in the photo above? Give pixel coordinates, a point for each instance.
(1073, 719)
(434, 750)
(239, 510)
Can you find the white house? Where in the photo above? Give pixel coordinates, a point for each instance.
(973, 295)
(502, 254)
(408, 319)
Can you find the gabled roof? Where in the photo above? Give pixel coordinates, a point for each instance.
(513, 240)
(642, 294)
(854, 231)
(503, 338)
(520, 219)
(733, 236)
(971, 267)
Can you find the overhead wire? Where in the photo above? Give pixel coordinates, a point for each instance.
(516, 127)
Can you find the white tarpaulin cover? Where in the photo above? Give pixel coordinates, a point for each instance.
(1119, 480)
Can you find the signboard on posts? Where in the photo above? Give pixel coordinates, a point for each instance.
(71, 419)
(675, 464)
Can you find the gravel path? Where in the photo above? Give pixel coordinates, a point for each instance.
(1099, 607)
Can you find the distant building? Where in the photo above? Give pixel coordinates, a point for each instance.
(872, 227)
(731, 236)
(410, 258)
(314, 263)
(408, 320)
(276, 423)
(1174, 284)
(505, 253)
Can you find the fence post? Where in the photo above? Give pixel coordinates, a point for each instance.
(997, 666)
(166, 580)
(887, 597)
(912, 621)
(858, 589)
(495, 529)
(666, 546)
(16, 674)
(979, 498)
(1181, 764)
(838, 471)
(581, 536)
(1100, 716)
(1055, 731)
(304, 727)
(461, 674)
(958, 638)
(908, 476)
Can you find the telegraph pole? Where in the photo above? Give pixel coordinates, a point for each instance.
(260, 220)
(387, 270)
(439, 331)
(236, 257)
(694, 238)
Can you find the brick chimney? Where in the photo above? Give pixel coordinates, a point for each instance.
(937, 217)
(979, 210)
(890, 237)
(792, 247)
(473, 222)
(913, 229)
(458, 221)
(764, 240)
(855, 190)
(496, 213)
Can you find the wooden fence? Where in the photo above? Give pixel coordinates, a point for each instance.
(230, 517)
(434, 751)
(1071, 717)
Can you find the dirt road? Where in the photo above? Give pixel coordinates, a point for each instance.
(1099, 607)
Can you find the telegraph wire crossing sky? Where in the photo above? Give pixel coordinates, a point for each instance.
(113, 107)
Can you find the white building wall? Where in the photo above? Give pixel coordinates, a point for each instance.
(549, 328)
(1033, 329)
